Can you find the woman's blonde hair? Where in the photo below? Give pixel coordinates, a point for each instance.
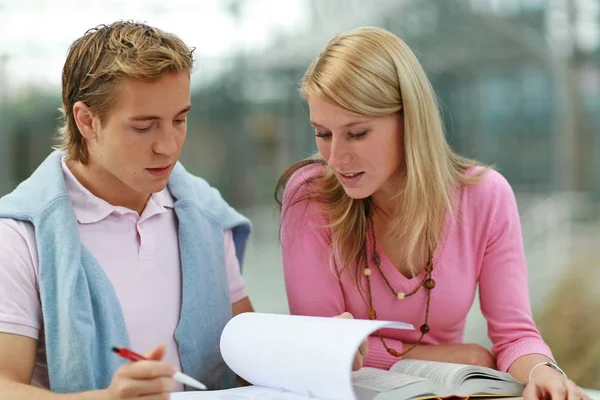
(371, 72)
(100, 59)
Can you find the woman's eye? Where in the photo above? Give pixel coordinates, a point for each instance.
(323, 135)
(358, 135)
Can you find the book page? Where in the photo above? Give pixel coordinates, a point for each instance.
(461, 379)
(380, 380)
(445, 373)
(310, 356)
(372, 383)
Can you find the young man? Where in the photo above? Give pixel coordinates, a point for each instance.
(111, 242)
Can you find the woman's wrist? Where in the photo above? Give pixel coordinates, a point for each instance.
(546, 368)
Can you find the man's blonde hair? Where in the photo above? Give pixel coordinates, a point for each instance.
(100, 59)
(371, 72)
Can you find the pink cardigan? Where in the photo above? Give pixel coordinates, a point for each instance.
(481, 245)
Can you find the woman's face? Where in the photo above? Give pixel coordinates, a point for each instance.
(366, 153)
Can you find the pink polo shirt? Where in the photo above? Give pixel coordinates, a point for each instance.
(139, 254)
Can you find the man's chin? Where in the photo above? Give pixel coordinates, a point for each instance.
(152, 187)
(159, 187)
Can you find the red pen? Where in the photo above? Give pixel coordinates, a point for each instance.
(178, 376)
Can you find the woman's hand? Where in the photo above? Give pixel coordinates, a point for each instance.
(362, 350)
(546, 384)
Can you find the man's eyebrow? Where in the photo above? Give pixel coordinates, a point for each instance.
(156, 117)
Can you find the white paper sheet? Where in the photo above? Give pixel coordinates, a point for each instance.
(311, 356)
(243, 393)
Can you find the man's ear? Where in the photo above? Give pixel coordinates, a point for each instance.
(86, 120)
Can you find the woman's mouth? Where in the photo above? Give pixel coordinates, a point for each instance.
(350, 178)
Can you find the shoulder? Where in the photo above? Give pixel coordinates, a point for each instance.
(299, 183)
(186, 187)
(302, 219)
(491, 188)
(486, 201)
(18, 246)
(16, 230)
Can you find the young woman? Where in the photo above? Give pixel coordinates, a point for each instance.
(387, 222)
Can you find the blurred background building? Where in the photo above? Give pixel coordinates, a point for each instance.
(518, 82)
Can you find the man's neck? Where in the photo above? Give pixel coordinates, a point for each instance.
(108, 187)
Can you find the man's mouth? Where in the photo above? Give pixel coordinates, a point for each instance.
(160, 171)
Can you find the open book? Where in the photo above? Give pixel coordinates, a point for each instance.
(415, 379)
(287, 357)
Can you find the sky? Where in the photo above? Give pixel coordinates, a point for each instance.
(35, 34)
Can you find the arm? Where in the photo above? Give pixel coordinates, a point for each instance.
(543, 381)
(241, 306)
(524, 364)
(240, 302)
(312, 287)
(504, 293)
(20, 319)
(459, 353)
(17, 359)
(20, 315)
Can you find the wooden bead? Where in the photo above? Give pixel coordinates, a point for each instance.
(376, 259)
(400, 295)
(424, 329)
(367, 271)
(372, 314)
(393, 352)
(429, 283)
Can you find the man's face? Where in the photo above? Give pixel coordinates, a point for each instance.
(142, 136)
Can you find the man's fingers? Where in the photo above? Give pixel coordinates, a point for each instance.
(162, 396)
(157, 353)
(157, 396)
(154, 386)
(146, 370)
(129, 388)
